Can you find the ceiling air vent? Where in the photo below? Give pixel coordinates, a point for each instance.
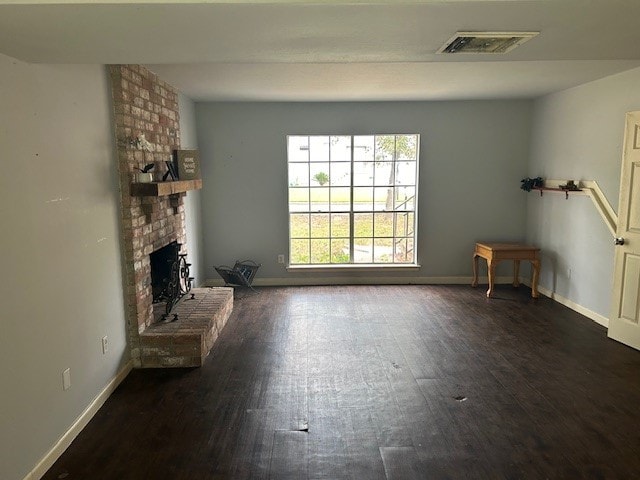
(485, 42)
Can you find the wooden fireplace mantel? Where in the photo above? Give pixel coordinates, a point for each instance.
(159, 189)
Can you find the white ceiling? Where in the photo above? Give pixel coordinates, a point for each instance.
(333, 50)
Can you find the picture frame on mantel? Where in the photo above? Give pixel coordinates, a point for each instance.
(188, 163)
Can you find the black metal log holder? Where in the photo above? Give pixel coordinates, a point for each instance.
(242, 273)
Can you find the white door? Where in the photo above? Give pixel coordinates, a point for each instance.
(624, 324)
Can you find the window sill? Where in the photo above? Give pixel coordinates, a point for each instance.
(352, 267)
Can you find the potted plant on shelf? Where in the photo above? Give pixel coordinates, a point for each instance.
(145, 175)
(530, 183)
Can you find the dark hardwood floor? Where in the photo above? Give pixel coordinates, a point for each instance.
(379, 382)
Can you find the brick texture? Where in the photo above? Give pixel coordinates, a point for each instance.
(187, 342)
(144, 105)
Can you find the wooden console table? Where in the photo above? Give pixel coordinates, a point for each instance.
(494, 253)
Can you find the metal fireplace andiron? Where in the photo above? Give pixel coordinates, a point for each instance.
(170, 279)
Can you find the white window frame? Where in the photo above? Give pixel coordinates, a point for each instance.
(410, 240)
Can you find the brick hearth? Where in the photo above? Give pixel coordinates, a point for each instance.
(187, 342)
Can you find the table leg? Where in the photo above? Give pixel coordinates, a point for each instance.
(491, 267)
(534, 280)
(474, 282)
(516, 273)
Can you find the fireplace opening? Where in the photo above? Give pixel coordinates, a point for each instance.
(170, 278)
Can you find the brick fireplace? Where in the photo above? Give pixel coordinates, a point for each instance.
(147, 130)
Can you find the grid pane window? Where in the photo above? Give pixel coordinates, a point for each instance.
(352, 199)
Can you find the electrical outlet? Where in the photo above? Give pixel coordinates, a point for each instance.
(281, 258)
(105, 345)
(66, 379)
(568, 273)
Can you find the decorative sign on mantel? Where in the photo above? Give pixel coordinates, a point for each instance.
(188, 163)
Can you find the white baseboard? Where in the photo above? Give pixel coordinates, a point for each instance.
(63, 443)
(361, 280)
(596, 317)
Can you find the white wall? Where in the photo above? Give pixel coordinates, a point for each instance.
(472, 157)
(577, 134)
(61, 283)
(192, 205)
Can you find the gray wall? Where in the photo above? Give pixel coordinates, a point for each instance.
(61, 283)
(473, 155)
(577, 134)
(192, 206)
